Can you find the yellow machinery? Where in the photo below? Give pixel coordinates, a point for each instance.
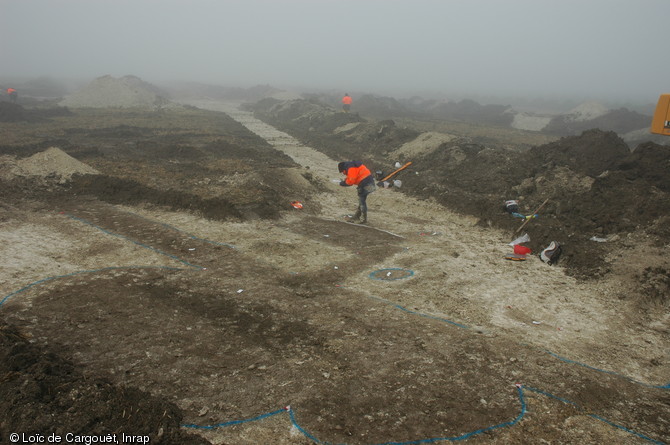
(660, 124)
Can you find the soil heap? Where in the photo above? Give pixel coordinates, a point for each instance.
(51, 163)
(124, 92)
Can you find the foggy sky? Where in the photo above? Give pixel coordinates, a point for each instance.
(593, 48)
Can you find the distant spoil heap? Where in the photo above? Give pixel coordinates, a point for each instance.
(124, 92)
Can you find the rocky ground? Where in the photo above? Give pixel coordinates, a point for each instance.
(158, 282)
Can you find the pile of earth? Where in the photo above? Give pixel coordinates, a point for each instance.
(124, 92)
(595, 186)
(52, 163)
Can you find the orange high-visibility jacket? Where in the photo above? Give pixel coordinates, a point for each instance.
(11, 90)
(356, 173)
(346, 100)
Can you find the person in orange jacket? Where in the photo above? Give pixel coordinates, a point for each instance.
(11, 92)
(346, 102)
(356, 173)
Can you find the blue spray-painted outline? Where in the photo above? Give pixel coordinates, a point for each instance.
(310, 436)
(44, 280)
(520, 389)
(630, 379)
(432, 317)
(595, 416)
(235, 422)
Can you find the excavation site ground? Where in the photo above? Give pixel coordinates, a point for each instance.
(158, 280)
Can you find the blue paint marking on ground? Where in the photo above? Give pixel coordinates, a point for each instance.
(44, 280)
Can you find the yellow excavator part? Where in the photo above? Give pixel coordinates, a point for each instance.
(660, 124)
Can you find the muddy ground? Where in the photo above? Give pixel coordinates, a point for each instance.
(177, 294)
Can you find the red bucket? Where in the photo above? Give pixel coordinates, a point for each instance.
(521, 250)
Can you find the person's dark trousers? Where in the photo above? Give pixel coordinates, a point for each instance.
(363, 193)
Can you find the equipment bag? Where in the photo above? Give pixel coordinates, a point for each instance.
(551, 254)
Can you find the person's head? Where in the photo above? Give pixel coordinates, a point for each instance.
(341, 167)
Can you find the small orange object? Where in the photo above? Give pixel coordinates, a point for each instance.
(296, 204)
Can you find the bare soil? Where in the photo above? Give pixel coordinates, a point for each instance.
(177, 294)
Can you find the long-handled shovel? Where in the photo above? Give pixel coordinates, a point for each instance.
(534, 213)
(392, 174)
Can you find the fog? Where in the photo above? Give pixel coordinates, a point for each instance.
(596, 49)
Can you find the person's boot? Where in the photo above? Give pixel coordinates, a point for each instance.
(356, 216)
(364, 219)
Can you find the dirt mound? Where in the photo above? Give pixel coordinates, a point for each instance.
(530, 122)
(424, 144)
(124, 92)
(649, 161)
(586, 112)
(592, 153)
(51, 163)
